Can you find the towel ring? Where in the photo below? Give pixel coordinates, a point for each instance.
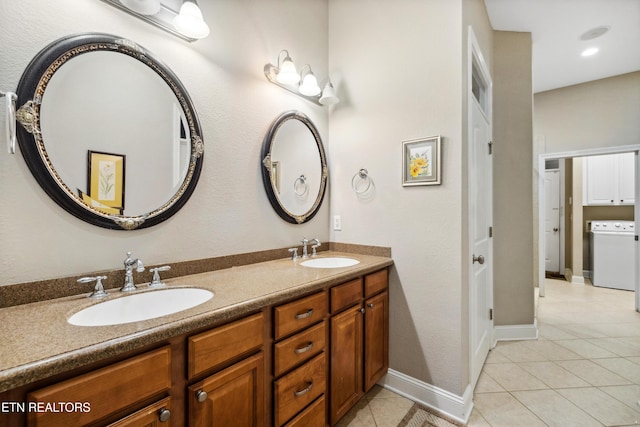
(11, 99)
(361, 179)
(300, 186)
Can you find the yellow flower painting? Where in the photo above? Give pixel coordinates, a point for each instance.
(421, 161)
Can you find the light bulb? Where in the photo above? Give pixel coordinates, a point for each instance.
(288, 74)
(189, 22)
(309, 85)
(329, 96)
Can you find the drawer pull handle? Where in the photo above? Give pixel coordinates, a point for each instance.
(304, 349)
(164, 415)
(304, 315)
(201, 396)
(304, 391)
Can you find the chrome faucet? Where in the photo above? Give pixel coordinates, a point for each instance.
(128, 272)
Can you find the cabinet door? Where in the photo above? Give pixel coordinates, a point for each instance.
(601, 181)
(376, 339)
(626, 176)
(232, 397)
(346, 362)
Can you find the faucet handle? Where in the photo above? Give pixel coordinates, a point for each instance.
(156, 275)
(98, 290)
(294, 253)
(313, 247)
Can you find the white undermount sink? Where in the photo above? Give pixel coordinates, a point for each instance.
(330, 262)
(142, 306)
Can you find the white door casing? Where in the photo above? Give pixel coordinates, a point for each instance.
(480, 185)
(552, 220)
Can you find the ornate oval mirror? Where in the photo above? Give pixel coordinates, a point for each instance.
(108, 131)
(294, 169)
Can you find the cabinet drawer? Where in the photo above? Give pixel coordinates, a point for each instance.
(156, 415)
(222, 344)
(297, 389)
(376, 282)
(314, 416)
(105, 390)
(299, 314)
(346, 295)
(298, 348)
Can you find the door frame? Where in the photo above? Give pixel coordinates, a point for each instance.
(474, 56)
(540, 168)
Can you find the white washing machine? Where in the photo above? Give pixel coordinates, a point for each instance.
(612, 253)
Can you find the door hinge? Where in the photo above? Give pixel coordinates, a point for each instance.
(490, 147)
(490, 231)
(636, 238)
(491, 314)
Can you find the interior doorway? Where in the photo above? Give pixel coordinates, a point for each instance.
(579, 227)
(553, 215)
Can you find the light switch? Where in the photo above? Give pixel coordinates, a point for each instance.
(337, 222)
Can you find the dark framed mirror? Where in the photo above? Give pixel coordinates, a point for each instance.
(108, 131)
(294, 167)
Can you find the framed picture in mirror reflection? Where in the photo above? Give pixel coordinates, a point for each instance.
(106, 179)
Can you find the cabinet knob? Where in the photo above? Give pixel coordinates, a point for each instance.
(370, 305)
(361, 310)
(611, 201)
(164, 414)
(201, 396)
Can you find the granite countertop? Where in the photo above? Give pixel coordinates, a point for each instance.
(38, 342)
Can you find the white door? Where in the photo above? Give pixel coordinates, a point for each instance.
(480, 213)
(552, 221)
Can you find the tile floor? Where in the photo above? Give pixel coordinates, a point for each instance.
(584, 370)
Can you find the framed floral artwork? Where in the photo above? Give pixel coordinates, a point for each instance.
(421, 162)
(105, 174)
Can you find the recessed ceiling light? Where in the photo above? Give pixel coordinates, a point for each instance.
(595, 32)
(590, 51)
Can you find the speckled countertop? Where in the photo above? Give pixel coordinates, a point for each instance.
(38, 342)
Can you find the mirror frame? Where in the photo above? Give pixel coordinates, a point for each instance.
(31, 89)
(269, 185)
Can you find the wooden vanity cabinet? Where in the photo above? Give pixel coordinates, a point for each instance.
(300, 362)
(359, 340)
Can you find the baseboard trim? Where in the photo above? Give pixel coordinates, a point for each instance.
(516, 332)
(577, 280)
(451, 405)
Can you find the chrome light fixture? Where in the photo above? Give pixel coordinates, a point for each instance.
(186, 23)
(304, 84)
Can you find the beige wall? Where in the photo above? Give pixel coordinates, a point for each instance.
(235, 103)
(513, 179)
(602, 113)
(402, 74)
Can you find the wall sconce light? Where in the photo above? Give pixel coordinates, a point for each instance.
(304, 84)
(186, 23)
